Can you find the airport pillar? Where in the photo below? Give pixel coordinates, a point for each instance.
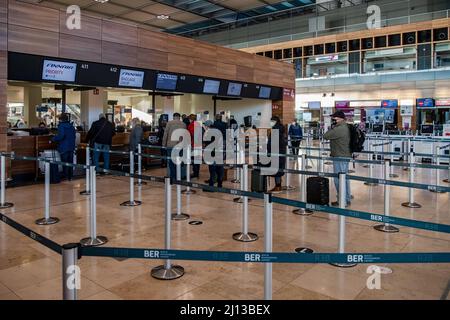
(32, 96)
(92, 104)
(285, 108)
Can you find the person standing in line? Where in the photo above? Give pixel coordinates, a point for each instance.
(169, 144)
(66, 144)
(193, 125)
(136, 134)
(296, 136)
(216, 170)
(100, 138)
(339, 137)
(161, 128)
(282, 146)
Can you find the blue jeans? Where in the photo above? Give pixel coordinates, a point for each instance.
(342, 167)
(104, 152)
(172, 167)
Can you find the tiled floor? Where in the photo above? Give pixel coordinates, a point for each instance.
(30, 271)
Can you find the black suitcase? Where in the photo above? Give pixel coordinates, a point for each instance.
(318, 191)
(259, 181)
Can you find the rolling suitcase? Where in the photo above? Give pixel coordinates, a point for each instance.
(318, 191)
(259, 181)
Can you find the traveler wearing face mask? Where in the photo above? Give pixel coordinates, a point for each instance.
(296, 136)
(282, 146)
(339, 136)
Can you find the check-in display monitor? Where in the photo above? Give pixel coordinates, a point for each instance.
(211, 86)
(264, 92)
(425, 103)
(166, 81)
(131, 78)
(234, 89)
(59, 71)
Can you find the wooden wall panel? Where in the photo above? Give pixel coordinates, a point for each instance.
(260, 75)
(33, 41)
(244, 74)
(152, 40)
(3, 36)
(152, 59)
(179, 45)
(90, 27)
(180, 63)
(205, 51)
(206, 67)
(3, 11)
(119, 33)
(3, 113)
(121, 54)
(226, 70)
(73, 47)
(31, 16)
(3, 64)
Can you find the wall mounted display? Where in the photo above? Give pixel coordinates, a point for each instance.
(406, 110)
(425, 103)
(389, 104)
(314, 105)
(166, 81)
(211, 86)
(342, 104)
(59, 71)
(264, 92)
(442, 102)
(131, 78)
(234, 89)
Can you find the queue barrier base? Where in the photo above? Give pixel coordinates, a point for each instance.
(371, 184)
(288, 188)
(6, 205)
(85, 193)
(93, 242)
(302, 212)
(413, 205)
(393, 175)
(344, 265)
(245, 237)
(386, 228)
(180, 216)
(190, 191)
(142, 183)
(129, 203)
(351, 171)
(46, 221)
(437, 191)
(235, 181)
(304, 250)
(241, 200)
(161, 273)
(445, 180)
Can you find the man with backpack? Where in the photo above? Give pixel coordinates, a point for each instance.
(340, 136)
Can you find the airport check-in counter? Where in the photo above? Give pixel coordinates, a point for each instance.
(419, 144)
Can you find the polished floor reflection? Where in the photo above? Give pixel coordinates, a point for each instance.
(30, 271)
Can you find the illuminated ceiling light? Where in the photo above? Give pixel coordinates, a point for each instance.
(162, 17)
(101, 1)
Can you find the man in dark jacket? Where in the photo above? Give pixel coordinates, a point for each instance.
(216, 170)
(100, 137)
(296, 136)
(282, 146)
(66, 143)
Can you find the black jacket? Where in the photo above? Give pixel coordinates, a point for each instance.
(101, 132)
(282, 148)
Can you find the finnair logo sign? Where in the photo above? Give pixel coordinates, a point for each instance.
(131, 78)
(59, 71)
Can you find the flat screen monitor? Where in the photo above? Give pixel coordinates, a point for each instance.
(234, 89)
(314, 105)
(264, 92)
(211, 86)
(59, 71)
(377, 128)
(427, 129)
(425, 103)
(131, 78)
(389, 104)
(389, 116)
(166, 81)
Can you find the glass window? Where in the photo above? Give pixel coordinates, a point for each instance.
(327, 65)
(442, 55)
(399, 59)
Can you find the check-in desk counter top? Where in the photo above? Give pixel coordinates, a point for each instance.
(419, 144)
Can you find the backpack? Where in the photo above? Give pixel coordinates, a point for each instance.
(357, 138)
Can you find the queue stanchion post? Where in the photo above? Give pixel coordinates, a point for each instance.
(70, 276)
(437, 174)
(179, 215)
(392, 150)
(411, 203)
(369, 153)
(87, 190)
(303, 211)
(132, 202)
(308, 151)
(140, 182)
(237, 178)
(241, 161)
(342, 205)
(368, 183)
(386, 227)
(448, 178)
(93, 240)
(352, 161)
(408, 153)
(268, 244)
(167, 271)
(3, 203)
(188, 189)
(244, 235)
(288, 186)
(47, 220)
